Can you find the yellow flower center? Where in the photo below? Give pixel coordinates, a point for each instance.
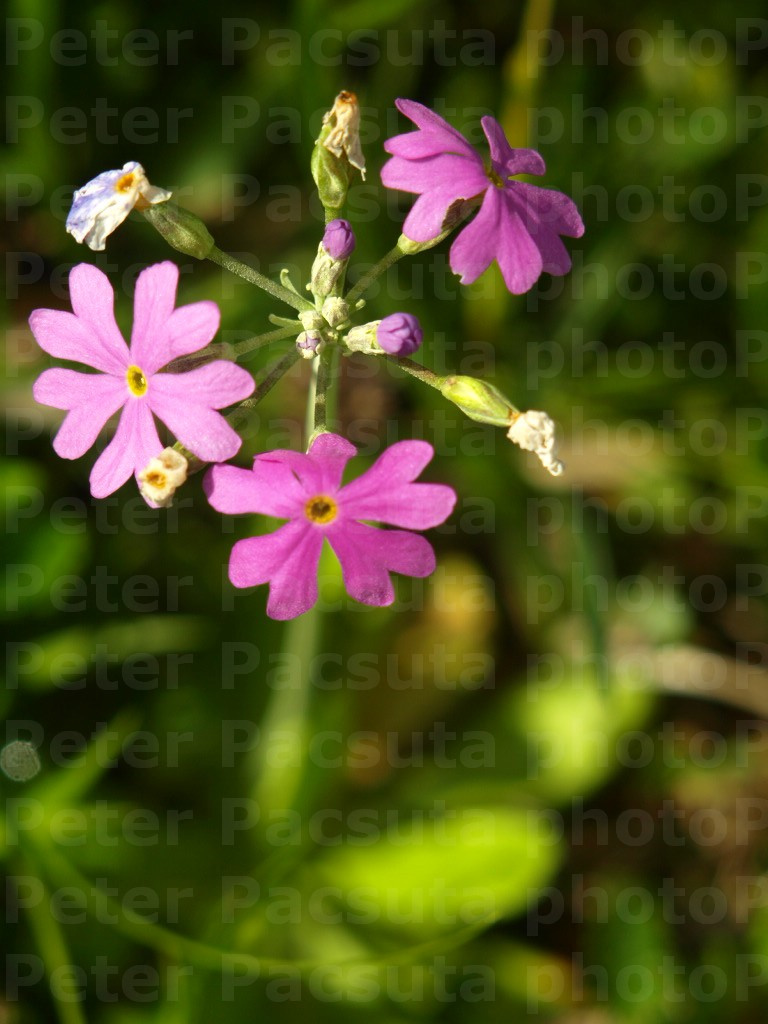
(156, 479)
(137, 382)
(125, 184)
(495, 178)
(321, 509)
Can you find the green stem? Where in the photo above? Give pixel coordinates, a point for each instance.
(417, 370)
(261, 340)
(376, 271)
(50, 941)
(321, 401)
(280, 760)
(235, 266)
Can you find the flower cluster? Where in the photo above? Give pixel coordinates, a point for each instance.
(171, 373)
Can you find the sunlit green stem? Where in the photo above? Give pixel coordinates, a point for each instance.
(417, 370)
(376, 271)
(235, 266)
(321, 404)
(261, 340)
(268, 377)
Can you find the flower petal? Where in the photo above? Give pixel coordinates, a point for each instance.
(426, 216)
(386, 494)
(203, 431)
(435, 134)
(153, 302)
(91, 398)
(100, 206)
(90, 334)
(518, 255)
(331, 453)
(505, 159)
(135, 442)
(217, 385)
(321, 469)
(288, 560)
(269, 488)
(475, 245)
(462, 177)
(367, 556)
(548, 207)
(188, 329)
(93, 302)
(185, 403)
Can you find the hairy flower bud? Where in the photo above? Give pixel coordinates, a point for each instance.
(181, 229)
(309, 344)
(330, 264)
(339, 239)
(478, 400)
(335, 311)
(399, 334)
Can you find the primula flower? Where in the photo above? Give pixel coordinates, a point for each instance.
(104, 202)
(518, 225)
(307, 491)
(129, 378)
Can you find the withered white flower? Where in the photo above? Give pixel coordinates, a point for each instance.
(104, 202)
(162, 476)
(344, 137)
(534, 431)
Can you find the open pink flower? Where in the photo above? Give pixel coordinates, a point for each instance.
(129, 378)
(307, 491)
(518, 225)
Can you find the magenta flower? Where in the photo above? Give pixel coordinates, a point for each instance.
(518, 225)
(306, 490)
(129, 378)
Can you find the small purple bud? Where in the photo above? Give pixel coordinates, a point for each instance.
(399, 334)
(309, 343)
(339, 239)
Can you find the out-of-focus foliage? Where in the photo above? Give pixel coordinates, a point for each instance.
(536, 784)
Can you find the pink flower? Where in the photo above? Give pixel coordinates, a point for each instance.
(129, 378)
(306, 490)
(518, 225)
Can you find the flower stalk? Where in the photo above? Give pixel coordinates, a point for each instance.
(277, 291)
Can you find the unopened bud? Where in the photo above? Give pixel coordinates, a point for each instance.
(478, 400)
(161, 478)
(534, 431)
(399, 334)
(311, 320)
(335, 311)
(181, 229)
(309, 344)
(339, 239)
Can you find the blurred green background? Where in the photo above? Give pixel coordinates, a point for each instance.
(536, 786)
